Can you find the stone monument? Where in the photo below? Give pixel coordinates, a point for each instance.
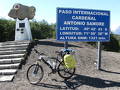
(22, 14)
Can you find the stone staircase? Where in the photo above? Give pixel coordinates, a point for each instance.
(12, 56)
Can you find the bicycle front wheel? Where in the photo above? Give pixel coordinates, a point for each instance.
(35, 73)
(65, 72)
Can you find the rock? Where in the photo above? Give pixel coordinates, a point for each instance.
(21, 12)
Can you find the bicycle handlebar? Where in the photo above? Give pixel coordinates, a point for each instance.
(62, 52)
(67, 51)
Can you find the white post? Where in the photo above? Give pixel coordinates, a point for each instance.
(22, 30)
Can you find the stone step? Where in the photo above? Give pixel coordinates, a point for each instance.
(7, 46)
(13, 48)
(8, 71)
(11, 60)
(12, 52)
(6, 78)
(10, 66)
(14, 42)
(11, 56)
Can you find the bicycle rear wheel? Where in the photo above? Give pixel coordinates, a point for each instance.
(35, 73)
(65, 72)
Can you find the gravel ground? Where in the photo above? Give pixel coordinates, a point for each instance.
(86, 77)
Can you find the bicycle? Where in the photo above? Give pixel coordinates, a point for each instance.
(35, 72)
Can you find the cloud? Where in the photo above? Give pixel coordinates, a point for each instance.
(117, 31)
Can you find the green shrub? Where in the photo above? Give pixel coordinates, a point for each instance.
(40, 30)
(113, 45)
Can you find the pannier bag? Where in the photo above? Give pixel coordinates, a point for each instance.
(69, 61)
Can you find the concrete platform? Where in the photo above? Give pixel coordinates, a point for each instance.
(6, 46)
(11, 60)
(8, 71)
(12, 52)
(11, 56)
(10, 66)
(15, 42)
(6, 78)
(13, 48)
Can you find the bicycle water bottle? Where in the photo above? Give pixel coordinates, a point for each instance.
(53, 65)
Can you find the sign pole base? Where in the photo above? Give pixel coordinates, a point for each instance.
(66, 45)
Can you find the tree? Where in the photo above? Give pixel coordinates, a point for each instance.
(42, 30)
(7, 28)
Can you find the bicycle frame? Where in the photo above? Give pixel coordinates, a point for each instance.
(50, 66)
(61, 54)
(41, 58)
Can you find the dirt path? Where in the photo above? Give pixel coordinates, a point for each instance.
(86, 77)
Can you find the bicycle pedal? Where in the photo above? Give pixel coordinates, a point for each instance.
(49, 73)
(55, 80)
(53, 72)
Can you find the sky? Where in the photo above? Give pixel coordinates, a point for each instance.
(46, 9)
